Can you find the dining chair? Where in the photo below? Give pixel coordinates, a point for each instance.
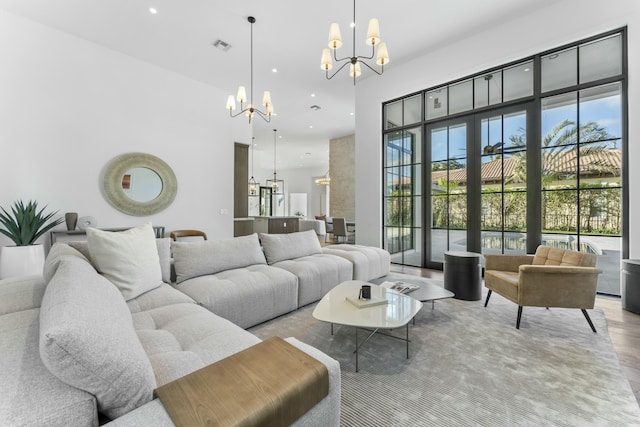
(176, 234)
(328, 227)
(340, 230)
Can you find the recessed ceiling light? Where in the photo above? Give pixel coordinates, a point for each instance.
(527, 69)
(274, 70)
(313, 95)
(310, 126)
(351, 114)
(153, 10)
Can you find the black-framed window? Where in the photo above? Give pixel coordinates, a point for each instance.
(559, 181)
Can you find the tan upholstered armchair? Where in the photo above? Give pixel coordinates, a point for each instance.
(550, 278)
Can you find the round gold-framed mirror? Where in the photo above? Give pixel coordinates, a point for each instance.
(139, 184)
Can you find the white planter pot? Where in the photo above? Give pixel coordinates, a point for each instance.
(18, 261)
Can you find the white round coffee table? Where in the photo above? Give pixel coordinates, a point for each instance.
(397, 312)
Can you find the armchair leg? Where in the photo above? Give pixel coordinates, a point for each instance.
(519, 316)
(488, 296)
(586, 315)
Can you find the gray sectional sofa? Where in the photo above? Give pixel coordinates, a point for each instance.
(74, 351)
(246, 284)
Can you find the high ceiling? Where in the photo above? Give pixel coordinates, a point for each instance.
(288, 36)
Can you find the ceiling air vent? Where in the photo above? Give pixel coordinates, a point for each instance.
(222, 45)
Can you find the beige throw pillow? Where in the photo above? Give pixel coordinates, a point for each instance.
(129, 259)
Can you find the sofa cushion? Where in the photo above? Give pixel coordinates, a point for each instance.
(504, 283)
(317, 274)
(88, 341)
(164, 253)
(58, 252)
(158, 297)
(280, 247)
(20, 293)
(181, 338)
(546, 255)
(129, 259)
(368, 262)
(193, 259)
(31, 395)
(246, 296)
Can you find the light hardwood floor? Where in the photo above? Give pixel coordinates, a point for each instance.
(624, 327)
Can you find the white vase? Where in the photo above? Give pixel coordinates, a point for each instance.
(18, 261)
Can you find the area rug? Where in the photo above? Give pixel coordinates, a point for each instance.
(470, 366)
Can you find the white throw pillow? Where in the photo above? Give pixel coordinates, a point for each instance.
(129, 259)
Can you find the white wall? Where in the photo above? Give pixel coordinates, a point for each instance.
(69, 106)
(565, 22)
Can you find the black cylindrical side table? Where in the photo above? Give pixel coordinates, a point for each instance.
(462, 274)
(630, 286)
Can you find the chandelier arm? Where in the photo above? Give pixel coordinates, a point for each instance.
(337, 71)
(238, 113)
(373, 53)
(264, 116)
(373, 69)
(364, 57)
(335, 57)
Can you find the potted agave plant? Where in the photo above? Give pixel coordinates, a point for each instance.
(24, 225)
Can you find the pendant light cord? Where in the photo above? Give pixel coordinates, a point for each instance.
(274, 154)
(251, 101)
(252, 162)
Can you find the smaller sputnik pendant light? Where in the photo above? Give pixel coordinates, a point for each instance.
(253, 185)
(250, 109)
(277, 185)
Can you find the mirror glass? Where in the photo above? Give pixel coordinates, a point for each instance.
(141, 184)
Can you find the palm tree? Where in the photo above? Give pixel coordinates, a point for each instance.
(561, 146)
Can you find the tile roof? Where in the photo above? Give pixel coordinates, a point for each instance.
(595, 162)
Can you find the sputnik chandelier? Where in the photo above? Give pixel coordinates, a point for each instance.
(335, 41)
(250, 109)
